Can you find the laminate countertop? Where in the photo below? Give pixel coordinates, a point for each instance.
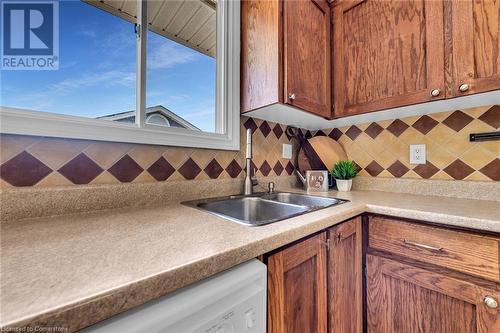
(68, 272)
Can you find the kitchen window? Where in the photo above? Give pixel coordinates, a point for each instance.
(150, 71)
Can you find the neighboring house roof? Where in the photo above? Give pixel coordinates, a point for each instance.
(172, 119)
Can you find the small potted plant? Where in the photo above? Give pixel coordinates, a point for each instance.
(344, 172)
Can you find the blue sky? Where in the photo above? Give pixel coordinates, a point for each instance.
(96, 73)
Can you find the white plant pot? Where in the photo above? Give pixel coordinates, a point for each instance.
(344, 185)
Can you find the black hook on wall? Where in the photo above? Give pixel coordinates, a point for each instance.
(487, 136)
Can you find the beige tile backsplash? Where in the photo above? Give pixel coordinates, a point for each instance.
(380, 149)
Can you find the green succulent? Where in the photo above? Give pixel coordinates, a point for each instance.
(344, 169)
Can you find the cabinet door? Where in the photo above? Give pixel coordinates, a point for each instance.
(386, 53)
(404, 299)
(306, 35)
(345, 278)
(473, 26)
(297, 288)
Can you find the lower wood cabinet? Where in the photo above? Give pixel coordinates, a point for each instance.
(315, 285)
(403, 298)
(345, 278)
(297, 287)
(419, 278)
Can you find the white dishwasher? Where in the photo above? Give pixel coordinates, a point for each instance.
(233, 301)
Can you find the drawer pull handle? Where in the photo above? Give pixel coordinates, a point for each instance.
(423, 246)
(490, 302)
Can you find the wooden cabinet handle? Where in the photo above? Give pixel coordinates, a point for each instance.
(423, 246)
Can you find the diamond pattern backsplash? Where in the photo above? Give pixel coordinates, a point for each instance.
(381, 149)
(39, 161)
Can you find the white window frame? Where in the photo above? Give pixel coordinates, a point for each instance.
(20, 121)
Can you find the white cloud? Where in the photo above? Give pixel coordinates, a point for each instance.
(168, 55)
(107, 79)
(87, 33)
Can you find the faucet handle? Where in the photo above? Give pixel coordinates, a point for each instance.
(254, 180)
(270, 187)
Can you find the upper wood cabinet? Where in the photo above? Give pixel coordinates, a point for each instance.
(285, 55)
(297, 294)
(472, 30)
(390, 53)
(386, 54)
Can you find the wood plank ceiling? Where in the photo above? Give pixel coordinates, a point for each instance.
(188, 22)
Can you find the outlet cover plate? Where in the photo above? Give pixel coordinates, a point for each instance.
(417, 154)
(287, 151)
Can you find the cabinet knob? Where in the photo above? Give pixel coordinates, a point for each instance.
(291, 97)
(435, 92)
(463, 87)
(490, 302)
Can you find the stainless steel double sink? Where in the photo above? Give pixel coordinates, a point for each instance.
(263, 208)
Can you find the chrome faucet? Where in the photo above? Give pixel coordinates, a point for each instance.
(250, 181)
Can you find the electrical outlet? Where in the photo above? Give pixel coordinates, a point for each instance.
(417, 154)
(287, 151)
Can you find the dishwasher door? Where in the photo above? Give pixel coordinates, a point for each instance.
(233, 301)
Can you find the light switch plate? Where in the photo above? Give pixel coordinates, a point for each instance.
(417, 154)
(287, 151)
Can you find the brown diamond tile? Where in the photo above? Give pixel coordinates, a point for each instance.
(23, 170)
(161, 169)
(250, 123)
(397, 127)
(492, 170)
(189, 169)
(289, 168)
(398, 169)
(357, 166)
(233, 169)
(457, 120)
(278, 131)
(426, 170)
(374, 169)
(373, 130)
(353, 132)
(265, 129)
(335, 134)
(81, 169)
(265, 168)
(320, 133)
(125, 169)
(492, 116)
(424, 124)
(458, 169)
(278, 168)
(213, 169)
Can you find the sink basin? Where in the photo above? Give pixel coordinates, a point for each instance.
(252, 210)
(263, 208)
(302, 199)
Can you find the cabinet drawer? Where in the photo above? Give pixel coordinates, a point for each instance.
(461, 251)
